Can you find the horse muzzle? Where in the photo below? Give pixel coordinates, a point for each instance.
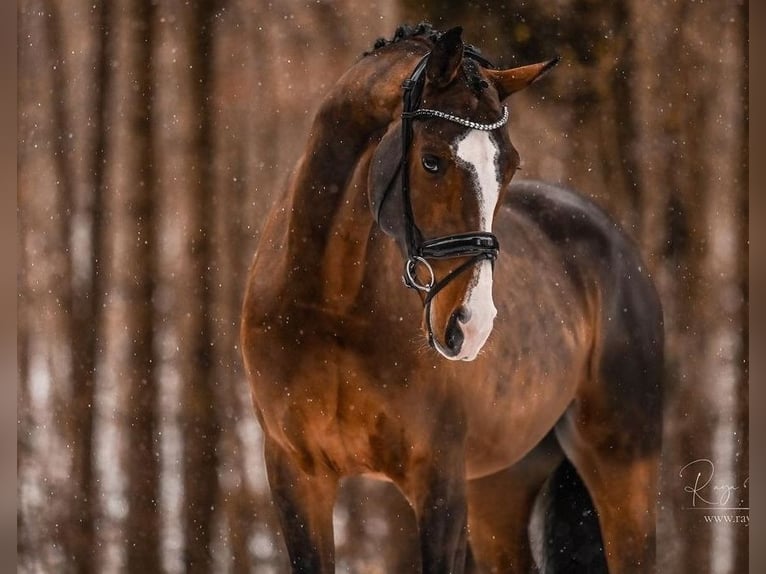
(470, 324)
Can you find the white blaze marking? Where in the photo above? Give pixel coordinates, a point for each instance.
(478, 151)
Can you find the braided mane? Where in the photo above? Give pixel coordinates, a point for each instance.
(426, 31)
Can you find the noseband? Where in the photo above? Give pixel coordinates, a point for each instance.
(476, 245)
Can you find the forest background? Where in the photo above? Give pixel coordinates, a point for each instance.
(152, 138)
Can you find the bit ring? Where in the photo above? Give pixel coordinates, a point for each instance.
(411, 277)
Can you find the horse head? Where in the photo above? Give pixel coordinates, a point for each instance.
(436, 180)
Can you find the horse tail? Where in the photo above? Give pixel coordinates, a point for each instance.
(564, 529)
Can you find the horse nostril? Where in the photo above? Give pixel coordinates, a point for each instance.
(463, 314)
(453, 336)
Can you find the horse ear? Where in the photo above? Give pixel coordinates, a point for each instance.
(384, 182)
(509, 81)
(445, 57)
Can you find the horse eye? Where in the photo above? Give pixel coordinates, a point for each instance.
(430, 163)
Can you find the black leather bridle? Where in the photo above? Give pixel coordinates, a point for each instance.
(476, 245)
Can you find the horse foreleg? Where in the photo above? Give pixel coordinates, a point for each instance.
(304, 503)
(437, 493)
(623, 485)
(499, 510)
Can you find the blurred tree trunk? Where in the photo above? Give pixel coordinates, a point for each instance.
(200, 425)
(742, 412)
(24, 444)
(132, 270)
(230, 105)
(45, 188)
(185, 146)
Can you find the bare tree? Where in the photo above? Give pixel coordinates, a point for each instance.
(185, 146)
(130, 254)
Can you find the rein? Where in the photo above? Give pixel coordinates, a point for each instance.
(477, 245)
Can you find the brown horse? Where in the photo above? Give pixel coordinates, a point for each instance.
(538, 393)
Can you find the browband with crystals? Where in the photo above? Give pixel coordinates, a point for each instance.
(428, 113)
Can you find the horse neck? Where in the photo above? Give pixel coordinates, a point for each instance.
(363, 103)
(327, 201)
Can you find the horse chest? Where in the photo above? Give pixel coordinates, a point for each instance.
(369, 409)
(326, 412)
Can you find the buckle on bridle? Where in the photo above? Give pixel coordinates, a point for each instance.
(411, 277)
